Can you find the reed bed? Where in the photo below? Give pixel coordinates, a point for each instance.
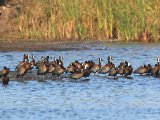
(90, 20)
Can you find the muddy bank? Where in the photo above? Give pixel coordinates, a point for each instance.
(23, 46)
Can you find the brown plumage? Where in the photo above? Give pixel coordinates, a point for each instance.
(43, 69)
(128, 69)
(113, 72)
(88, 64)
(72, 68)
(25, 59)
(32, 62)
(141, 70)
(51, 68)
(78, 64)
(105, 69)
(121, 70)
(96, 67)
(5, 80)
(60, 69)
(155, 70)
(86, 72)
(4, 72)
(77, 75)
(22, 70)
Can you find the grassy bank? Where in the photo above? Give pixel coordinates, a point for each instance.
(90, 19)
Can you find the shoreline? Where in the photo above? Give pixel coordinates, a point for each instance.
(24, 45)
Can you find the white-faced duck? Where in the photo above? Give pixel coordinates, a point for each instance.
(60, 60)
(60, 69)
(128, 69)
(155, 70)
(32, 62)
(77, 75)
(142, 70)
(43, 68)
(121, 67)
(25, 59)
(4, 72)
(122, 64)
(72, 68)
(78, 64)
(96, 67)
(82, 73)
(51, 68)
(53, 64)
(40, 62)
(88, 64)
(86, 72)
(105, 69)
(121, 70)
(22, 70)
(113, 72)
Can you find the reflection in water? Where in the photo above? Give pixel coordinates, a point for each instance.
(97, 98)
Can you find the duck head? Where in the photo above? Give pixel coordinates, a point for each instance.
(110, 58)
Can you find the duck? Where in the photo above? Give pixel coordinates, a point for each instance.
(72, 68)
(128, 69)
(96, 67)
(88, 64)
(149, 69)
(122, 64)
(113, 72)
(141, 70)
(82, 73)
(38, 63)
(60, 69)
(60, 60)
(4, 72)
(32, 62)
(43, 68)
(105, 69)
(77, 75)
(121, 67)
(22, 70)
(51, 68)
(155, 70)
(25, 60)
(78, 64)
(121, 70)
(87, 71)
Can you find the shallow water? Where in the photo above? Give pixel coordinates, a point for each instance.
(99, 98)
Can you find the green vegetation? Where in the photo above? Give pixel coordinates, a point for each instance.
(90, 19)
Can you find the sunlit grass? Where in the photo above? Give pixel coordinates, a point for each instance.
(91, 19)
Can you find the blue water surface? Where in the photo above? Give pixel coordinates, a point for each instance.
(99, 98)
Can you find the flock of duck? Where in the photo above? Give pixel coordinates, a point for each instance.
(76, 69)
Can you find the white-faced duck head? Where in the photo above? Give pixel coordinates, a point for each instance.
(100, 59)
(85, 67)
(129, 64)
(42, 58)
(33, 56)
(158, 60)
(60, 58)
(110, 58)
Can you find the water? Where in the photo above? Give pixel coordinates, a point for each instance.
(99, 98)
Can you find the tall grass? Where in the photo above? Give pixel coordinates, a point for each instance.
(91, 19)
